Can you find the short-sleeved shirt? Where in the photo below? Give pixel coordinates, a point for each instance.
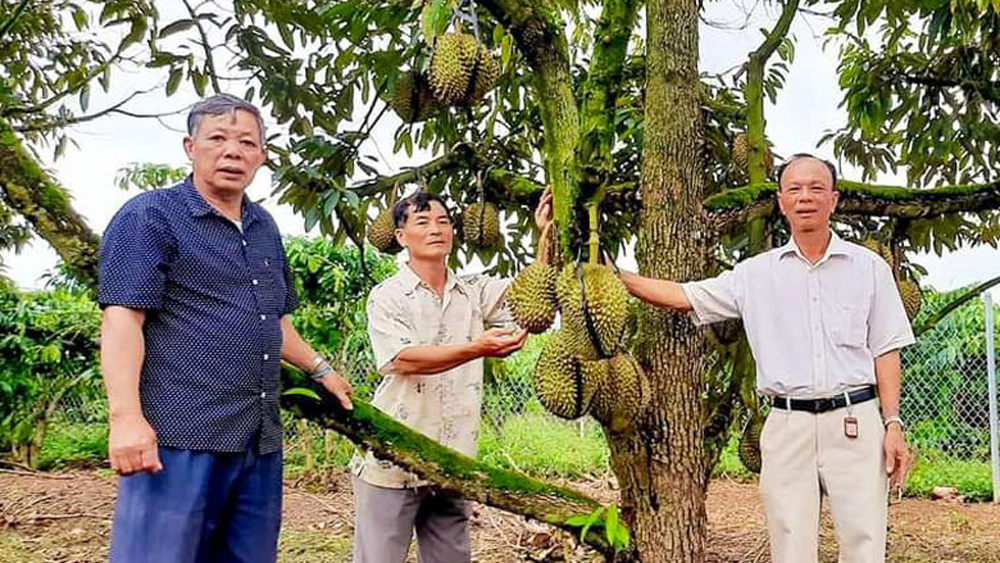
(814, 329)
(403, 312)
(214, 294)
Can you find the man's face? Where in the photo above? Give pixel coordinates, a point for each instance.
(225, 151)
(806, 197)
(427, 234)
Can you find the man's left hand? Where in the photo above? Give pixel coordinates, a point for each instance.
(897, 457)
(339, 387)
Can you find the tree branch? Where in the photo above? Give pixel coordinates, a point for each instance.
(49, 123)
(990, 91)
(209, 60)
(30, 191)
(443, 467)
(734, 207)
(9, 22)
(42, 106)
(962, 299)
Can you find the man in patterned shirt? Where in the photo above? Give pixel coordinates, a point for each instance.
(196, 295)
(428, 333)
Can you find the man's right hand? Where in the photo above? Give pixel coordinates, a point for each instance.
(132, 446)
(500, 342)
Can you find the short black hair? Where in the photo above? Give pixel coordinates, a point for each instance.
(420, 201)
(800, 156)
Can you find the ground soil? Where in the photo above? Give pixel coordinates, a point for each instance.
(65, 517)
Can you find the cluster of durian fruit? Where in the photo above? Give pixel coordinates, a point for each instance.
(740, 155)
(462, 71)
(583, 367)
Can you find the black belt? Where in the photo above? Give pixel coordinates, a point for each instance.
(825, 404)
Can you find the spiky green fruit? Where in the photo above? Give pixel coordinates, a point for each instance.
(412, 99)
(594, 302)
(624, 393)
(560, 382)
(532, 297)
(740, 152)
(481, 225)
(453, 60)
(909, 292)
(382, 233)
(749, 446)
(878, 248)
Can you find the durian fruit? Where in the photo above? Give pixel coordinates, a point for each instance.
(749, 446)
(382, 232)
(740, 152)
(481, 225)
(740, 155)
(560, 382)
(624, 392)
(909, 292)
(412, 99)
(532, 294)
(878, 248)
(462, 70)
(598, 307)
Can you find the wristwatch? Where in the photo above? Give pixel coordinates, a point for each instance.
(894, 418)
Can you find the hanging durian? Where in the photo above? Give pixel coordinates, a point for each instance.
(382, 232)
(594, 301)
(749, 446)
(462, 70)
(481, 225)
(623, 394)
(412, 99)
(560, 382)
(532, 294)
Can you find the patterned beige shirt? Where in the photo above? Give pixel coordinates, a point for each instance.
(403, 311)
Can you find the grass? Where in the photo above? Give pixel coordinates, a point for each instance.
(313, 546)
(932, 469)
(74, 444)
(530, 442)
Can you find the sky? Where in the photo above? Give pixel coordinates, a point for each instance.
(806, 109)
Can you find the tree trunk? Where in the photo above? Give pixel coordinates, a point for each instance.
(661, 467)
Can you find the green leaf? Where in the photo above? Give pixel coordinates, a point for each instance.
(303, 392)
(176, 27)
(79, 18)
(591, 520)
(176, 74)
(611, 524)
(85, 97)
(200, 81)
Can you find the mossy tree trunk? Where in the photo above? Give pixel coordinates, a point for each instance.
(661, 466)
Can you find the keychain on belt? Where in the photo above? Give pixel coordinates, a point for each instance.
(850, 422)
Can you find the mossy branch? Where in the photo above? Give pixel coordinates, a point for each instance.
(443, 467)
(930, 322)
(735, 207)
(31, 192)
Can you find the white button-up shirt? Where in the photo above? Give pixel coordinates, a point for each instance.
(403, 311)
(814, 329)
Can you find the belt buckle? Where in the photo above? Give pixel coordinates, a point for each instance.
(824, 404)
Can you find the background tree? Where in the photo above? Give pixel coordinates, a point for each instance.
(605, 102)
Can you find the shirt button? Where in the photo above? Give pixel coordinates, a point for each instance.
(263, 394)
(253, 282)
(244, 242)
(263, 317)
(267, 357)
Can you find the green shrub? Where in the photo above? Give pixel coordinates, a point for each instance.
(543, 446)
(74, 444)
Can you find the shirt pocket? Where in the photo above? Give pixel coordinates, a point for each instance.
(269, 271)
(849, 325)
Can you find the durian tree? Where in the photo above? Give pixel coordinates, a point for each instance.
(605, 102)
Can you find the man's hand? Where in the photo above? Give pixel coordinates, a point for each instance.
(132, 446)
(500, 342)
(897, 457)
(339, 387)
(543, 212)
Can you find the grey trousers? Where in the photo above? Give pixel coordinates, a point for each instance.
(385, 520)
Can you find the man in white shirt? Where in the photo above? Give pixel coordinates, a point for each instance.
(428, 329)
(825, 323)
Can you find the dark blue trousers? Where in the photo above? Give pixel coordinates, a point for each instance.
(204, 507)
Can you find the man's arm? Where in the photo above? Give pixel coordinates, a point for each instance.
(428, 360)
(132, 441)
(665, 294)
(888, 378)
(299, 353)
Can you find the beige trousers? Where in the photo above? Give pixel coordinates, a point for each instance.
(807, 455)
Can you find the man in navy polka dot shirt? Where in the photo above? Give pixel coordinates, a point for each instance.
(196, 295)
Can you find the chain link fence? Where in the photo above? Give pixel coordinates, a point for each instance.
(945, 399)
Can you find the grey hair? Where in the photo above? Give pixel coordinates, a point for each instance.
(222, 104)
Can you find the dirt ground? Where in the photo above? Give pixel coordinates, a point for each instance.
(65, 518)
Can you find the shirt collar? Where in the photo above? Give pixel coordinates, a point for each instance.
(411, 281)
(199, 207)
(837, 247)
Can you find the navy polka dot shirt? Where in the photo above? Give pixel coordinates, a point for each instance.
(213, 297)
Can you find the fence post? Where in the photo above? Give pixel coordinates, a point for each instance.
(992, 373)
